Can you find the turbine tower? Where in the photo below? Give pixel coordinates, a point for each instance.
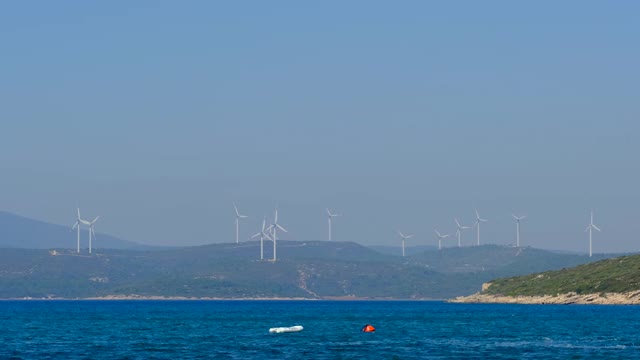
(477, 226)
(238, 217)
(518, 218)
(330, 216)
(274, 236)
(440, 237)
(263, 235)
(404, 237)
(77, 224)
(92, 231)
(590, 229)
(459, 231)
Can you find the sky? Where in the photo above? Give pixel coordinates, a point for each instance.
(159, 115)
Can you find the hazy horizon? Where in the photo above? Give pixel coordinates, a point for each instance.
(158, 116)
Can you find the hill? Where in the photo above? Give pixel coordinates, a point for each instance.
(21, 232)
(313, 269)
(609, 281)
(617, 275)
(499, 260)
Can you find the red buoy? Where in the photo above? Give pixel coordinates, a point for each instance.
(368, 328)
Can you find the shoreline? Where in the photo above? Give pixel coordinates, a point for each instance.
(628, 298)
(185, 298)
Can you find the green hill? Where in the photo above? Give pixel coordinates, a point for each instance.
(310, 269)
(616, 275)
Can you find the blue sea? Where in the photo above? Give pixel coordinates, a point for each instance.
(239, 330)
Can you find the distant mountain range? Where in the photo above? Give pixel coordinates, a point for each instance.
(307, 269)
(20, 232)
(311, 269)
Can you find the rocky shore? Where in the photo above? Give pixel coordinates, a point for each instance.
(628, 298)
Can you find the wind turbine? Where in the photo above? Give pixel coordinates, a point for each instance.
(477, 225)
(92, 232)
(518, 218)
(329, 217)
(440, 237)
(459, 230)
(590, 229)
(404, 237)
(77, 224)
(274, 228)
(238, 217)
(263, 235)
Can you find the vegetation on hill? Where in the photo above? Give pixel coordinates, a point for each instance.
(311, 269)
(615, 275)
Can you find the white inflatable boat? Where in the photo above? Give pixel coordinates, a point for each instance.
(278, 330)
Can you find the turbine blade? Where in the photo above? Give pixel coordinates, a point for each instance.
(96, 219)
(477, 215)
(595, 227)
(457, 223)
(281, 228)
(255, 235)
(409, 236)
(236, 209)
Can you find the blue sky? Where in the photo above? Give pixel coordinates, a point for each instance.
(159, 115)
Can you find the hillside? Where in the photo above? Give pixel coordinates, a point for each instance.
(616, 275)
(498, 260)
(312, 269)
(20, 232)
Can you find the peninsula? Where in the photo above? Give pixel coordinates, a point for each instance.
(610, 281)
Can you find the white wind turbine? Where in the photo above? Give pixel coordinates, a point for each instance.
(92, 231)
(404, 237)
(274, 236)
(590, 229)
(440, 237)
(330, 216)
(263, 235)
(238, 217)
(77, 225)
(477, 226)
(517, 219)
(459, 231)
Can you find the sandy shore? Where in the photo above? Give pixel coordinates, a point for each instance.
(629, 298)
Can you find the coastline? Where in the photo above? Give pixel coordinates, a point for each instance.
(628, 298)
(187, 298)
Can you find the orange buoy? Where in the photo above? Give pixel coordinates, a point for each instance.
(368, 328)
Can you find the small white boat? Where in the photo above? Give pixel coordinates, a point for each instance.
(278, 330)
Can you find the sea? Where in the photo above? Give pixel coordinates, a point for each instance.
(141, 329)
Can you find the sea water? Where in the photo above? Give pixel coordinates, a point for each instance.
(332, 330)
